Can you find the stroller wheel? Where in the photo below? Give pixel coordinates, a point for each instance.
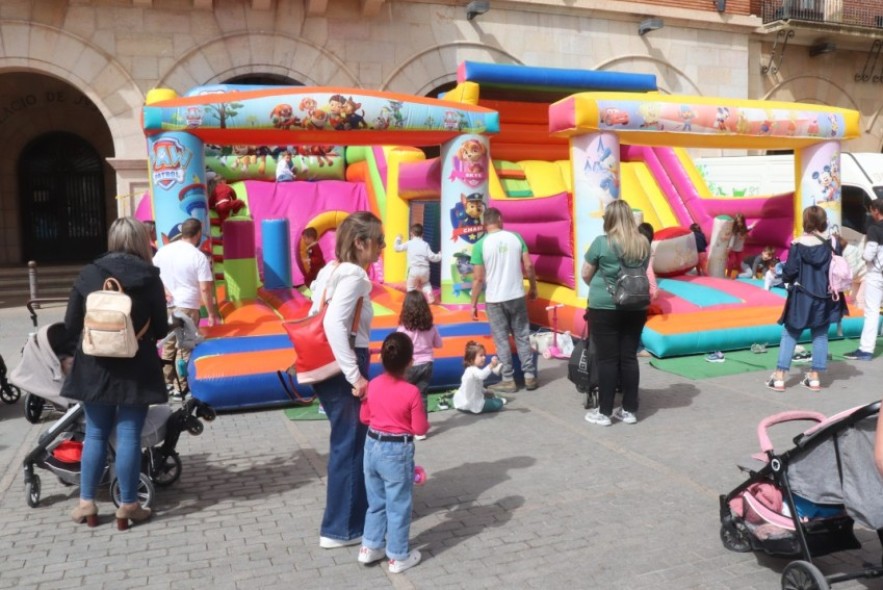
(206, 413)
(802, 575)
(146, 491)
(164, 469)
(732, 538)
(10, 393)
(33, 408)
(194, 426)
(32, 491)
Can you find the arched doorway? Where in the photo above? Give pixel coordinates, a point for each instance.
(61, 196)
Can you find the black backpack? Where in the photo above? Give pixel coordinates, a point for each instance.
(582, 368)
(631, 290)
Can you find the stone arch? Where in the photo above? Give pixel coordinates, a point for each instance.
(674, 77)
(38, 48)
(809, 87)
(430, 68)
(242, 53)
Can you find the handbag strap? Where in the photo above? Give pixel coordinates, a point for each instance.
(291, 390)
(354, 327)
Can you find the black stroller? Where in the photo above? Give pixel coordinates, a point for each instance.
(803, 502)
(9, 393)
(58, 449)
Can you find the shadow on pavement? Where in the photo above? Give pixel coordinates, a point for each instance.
(463, 516)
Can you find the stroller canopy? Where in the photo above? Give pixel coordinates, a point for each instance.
(39, 371)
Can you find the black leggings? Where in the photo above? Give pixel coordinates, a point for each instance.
(617, 334)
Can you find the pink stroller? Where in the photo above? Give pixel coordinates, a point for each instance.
(803, 502)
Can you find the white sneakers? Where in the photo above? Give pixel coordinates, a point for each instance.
(397, 566)
(624, 415)
(329, 543)
(368, 555)
(596, 417)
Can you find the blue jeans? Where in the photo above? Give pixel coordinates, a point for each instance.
(819, 348)
(345, 499)
(511, 316)
(101, 420)
(389, 479)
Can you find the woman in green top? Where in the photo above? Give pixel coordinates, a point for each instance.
(616, 332)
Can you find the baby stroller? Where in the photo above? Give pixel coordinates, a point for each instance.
(803, 502)
(59, 448)
(9, 393)
(40, 373)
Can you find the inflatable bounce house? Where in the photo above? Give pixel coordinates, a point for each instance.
(548, 147)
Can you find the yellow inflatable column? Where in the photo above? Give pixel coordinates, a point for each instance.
(817, 170)
(396, 218)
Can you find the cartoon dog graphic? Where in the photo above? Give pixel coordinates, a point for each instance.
(472, 154)
(352, 119)
(283, 117)
(467, 217)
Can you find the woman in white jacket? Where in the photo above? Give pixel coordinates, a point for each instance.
(359, 244)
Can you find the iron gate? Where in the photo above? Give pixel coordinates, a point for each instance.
(62, 200)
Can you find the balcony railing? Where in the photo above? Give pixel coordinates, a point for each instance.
(838, 12)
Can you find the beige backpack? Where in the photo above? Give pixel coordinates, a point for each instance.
(107, 326)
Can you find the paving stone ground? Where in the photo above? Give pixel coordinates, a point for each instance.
(532, 497)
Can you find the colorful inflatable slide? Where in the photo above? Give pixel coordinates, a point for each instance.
(549, 167)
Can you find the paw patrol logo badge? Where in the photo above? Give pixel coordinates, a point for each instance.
(169, 160)
(193, 116)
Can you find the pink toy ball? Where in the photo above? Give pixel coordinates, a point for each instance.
(419, 475)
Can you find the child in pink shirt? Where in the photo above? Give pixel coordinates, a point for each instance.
(416, 321)
(394, 413)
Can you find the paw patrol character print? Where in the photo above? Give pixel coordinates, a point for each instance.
(467, 218)
(335, 111)
(352, 118)
(461, 273)
(282, 117)
(470, 163)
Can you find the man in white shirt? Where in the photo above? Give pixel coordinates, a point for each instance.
(501, 260)
(419, 257)
(187, 277)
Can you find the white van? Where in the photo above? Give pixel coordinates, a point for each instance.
(861, 176)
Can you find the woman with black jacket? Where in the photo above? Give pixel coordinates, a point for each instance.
(116, 392)
(809, 304)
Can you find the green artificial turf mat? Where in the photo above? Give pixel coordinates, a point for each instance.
(311, 412)
(744, 361)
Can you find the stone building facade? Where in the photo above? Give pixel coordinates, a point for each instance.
(74, 75)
